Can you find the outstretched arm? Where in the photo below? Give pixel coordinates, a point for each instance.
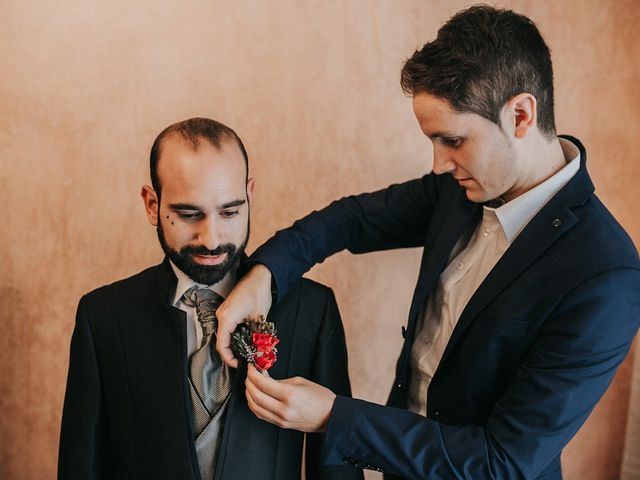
(396, 217)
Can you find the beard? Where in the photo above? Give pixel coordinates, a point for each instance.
(203, 274)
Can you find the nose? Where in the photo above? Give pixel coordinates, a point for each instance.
(209, 234)
(442, 162)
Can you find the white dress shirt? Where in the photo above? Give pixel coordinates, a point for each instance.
(194, 329)
(469, 264)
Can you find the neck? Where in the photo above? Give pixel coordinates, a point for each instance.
(542, 159)
(224, 286)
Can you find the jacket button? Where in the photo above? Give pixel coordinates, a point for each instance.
(399, 385)
(436, 414)
(556, 222)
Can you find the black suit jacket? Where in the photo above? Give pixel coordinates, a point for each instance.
(127, 411)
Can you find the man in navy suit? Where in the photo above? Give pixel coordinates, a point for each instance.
(528, 296)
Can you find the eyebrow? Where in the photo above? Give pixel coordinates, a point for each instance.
(188, 206)
(183, 206)
(443, 135)
(235, 203)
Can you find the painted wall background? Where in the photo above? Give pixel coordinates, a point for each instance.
(312, 88)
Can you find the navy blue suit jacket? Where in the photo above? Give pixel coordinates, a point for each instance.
(533, 351)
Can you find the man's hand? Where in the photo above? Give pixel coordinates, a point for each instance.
(295, 403)
(250, 297)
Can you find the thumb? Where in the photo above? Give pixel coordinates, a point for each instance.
(223, 346)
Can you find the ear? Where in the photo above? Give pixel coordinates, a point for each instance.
(521, 114)
(250, 185)
(151, 205)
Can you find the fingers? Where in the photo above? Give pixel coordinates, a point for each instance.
(250, 297)
(266, 384)
(262, 403)
(227, 355)
(270, 408)
(261, 412)
(290, 403)
(226, 326)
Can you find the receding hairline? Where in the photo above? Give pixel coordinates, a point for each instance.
(194, 143)
(192, 131)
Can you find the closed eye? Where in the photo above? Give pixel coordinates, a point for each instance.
(453, 142)
(188, 214)
(229, 213)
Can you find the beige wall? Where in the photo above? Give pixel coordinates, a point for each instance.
(312, 87)
(631, 459)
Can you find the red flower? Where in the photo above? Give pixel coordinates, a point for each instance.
(264, 342)
(267, 359)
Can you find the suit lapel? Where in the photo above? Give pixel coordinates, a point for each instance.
(164, 288)
(284, 315)
(550, 223)
(228, 430)
(537, 237)
(234, 425)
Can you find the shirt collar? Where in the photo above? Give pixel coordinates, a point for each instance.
(222, 288)
(516, 214)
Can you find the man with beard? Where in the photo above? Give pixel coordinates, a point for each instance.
(147, 394)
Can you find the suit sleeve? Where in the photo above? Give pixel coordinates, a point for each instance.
(83, 452)
(330, 368)
(568, 368)
(396, 217)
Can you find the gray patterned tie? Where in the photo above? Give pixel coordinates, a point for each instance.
(210, 378)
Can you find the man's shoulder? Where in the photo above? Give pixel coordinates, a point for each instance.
(603, 237)
(306, 299)
(130, 286)
(311, 287)
(307, 290)
(311, 336)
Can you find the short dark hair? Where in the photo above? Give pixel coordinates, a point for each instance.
(482, 57)
(193, 131)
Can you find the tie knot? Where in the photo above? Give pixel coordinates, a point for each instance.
(206, 302)
(197, 296)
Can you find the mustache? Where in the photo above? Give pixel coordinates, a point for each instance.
(202, 250)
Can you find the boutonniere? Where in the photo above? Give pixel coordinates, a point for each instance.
(255, 340)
